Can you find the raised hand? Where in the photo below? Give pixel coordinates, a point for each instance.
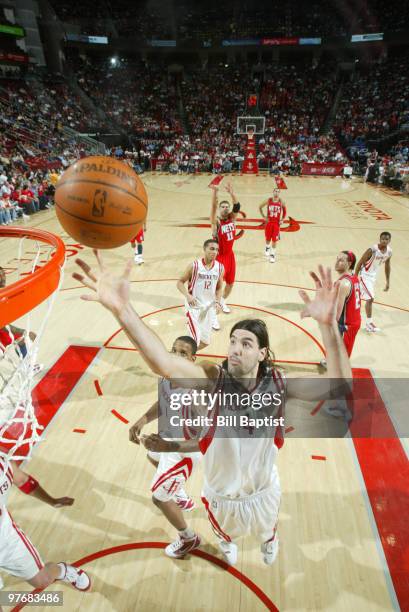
(109, 290)
(229, 188)
(323, 307)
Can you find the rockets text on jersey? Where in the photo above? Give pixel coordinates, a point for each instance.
(203, 282)
(377, 259)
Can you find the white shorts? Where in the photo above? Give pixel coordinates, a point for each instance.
(18, 556)
(255, 515)
(199, 323)
(367, 286)
(173, 471)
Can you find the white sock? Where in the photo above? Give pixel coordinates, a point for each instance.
(267, 248)
(187, 534)
(272, 251)
(369, 321)
(62, 571)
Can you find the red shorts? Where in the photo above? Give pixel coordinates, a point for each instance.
(229, 264)
(272, 231)
(138, 238)
(349, 336)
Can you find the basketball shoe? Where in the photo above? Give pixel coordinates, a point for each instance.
(182, 546)
(270, 551)
(267, 252)
(272, 258)
(229, 550)
(224, 306)
(371, 328)
(75, 577)
(216, 324)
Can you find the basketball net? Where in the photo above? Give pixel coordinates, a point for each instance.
(19, 427)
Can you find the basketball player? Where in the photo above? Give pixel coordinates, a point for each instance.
(349, 300)
(19, 557)
(223, 220)
(203, 293)
(367, 270)
(242, 491)
(172, 469)
(276, 212)
(137, 245)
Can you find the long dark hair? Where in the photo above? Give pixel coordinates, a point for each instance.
(259, 329)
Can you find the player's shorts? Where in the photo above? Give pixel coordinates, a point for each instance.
(272, 231)
(348, 334)
(229, 264)
(199, 322)
(139, 238)
(367, 286)
(172, 472)
(256, 514)
(18, 556)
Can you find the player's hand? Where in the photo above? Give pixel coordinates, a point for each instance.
(109, 290)
(59, 502)
(229, 188)
(192, 301)
(156, 444)
(135, 430)
(214, 187)
(324, 305)
(386, 287)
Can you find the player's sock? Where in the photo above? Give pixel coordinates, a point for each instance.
(187, 534)
(369, 321)
(267, 251)
(272, 252)
(62, 568)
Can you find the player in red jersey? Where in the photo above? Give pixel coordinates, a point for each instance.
(349, 300)
(136, 244)
(276, 212)
(223, 220)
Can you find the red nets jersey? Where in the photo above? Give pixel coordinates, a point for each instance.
(226, 231)
(276, 210)
(351, 312)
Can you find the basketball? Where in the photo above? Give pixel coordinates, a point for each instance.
(101, 202)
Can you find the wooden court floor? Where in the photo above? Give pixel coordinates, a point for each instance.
(333, 555)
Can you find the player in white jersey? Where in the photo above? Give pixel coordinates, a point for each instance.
(172, 469)
(367, 269)
(204, 280)
(244, 499)
(18, 556)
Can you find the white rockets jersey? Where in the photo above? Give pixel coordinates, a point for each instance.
(6, 481)
(376, 260)
(204, 280)
(168, 396)
(238, 467)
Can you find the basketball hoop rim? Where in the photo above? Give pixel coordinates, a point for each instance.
(27, 293)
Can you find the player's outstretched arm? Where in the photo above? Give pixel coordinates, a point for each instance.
(365, 257)
(150, 415)
(30, 486)
(323, 309)
(213, 208)
(113, 292)
(235, 202)
(156, 444)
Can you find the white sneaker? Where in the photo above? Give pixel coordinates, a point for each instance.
(272, 258)
(270, 551)
(323, 363)
(229, 551)
(216, 324)
(225, 308)
(182, 546)
(37, 368)
(138, 260)
(339, 412)
(76, 577)
(267, 252)
(371, 328)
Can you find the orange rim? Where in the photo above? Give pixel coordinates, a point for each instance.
(25, 294)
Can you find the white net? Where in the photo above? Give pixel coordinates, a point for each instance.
(22, 259)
